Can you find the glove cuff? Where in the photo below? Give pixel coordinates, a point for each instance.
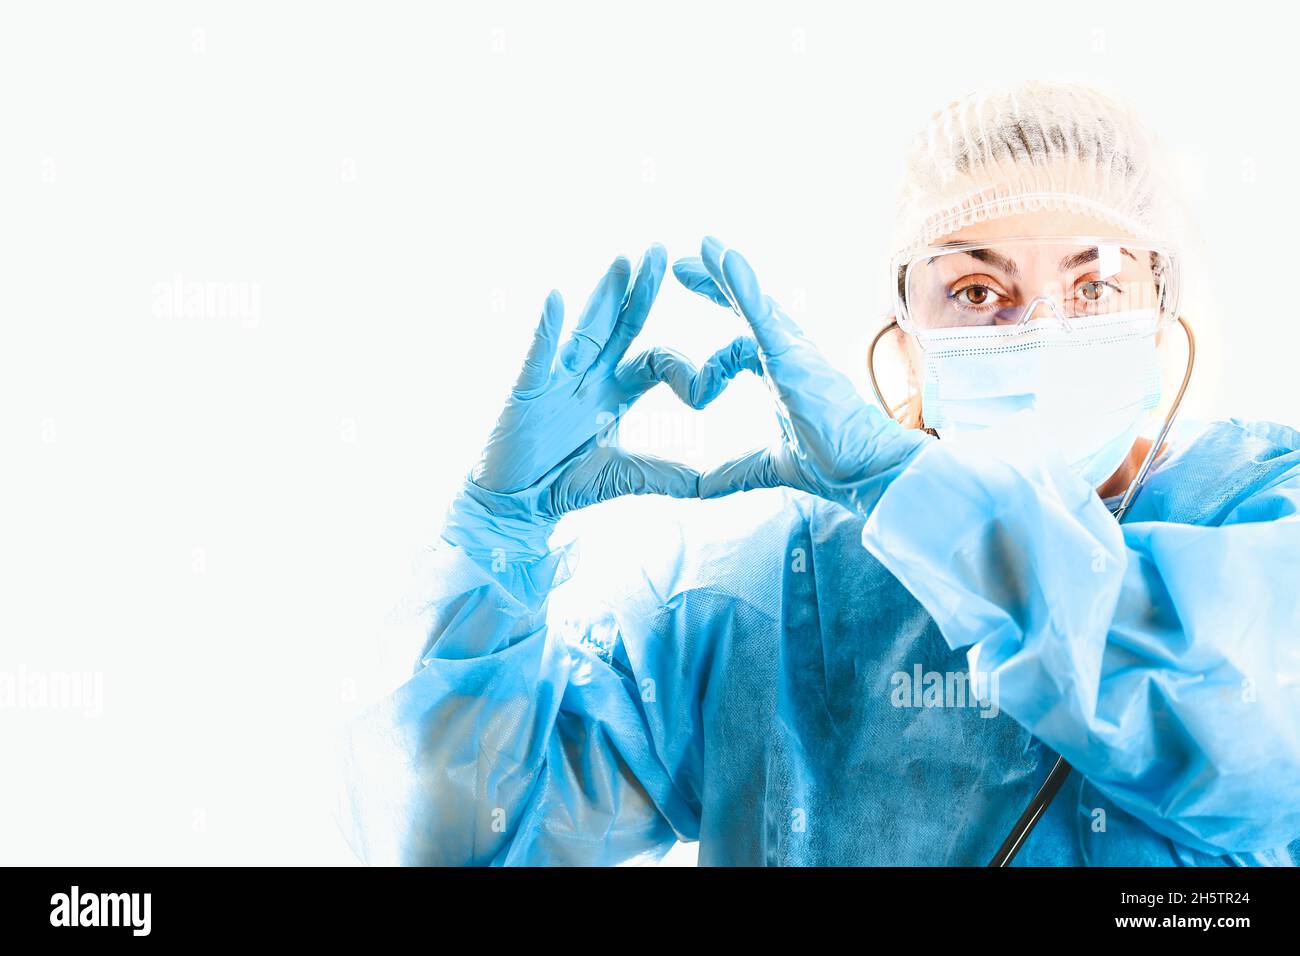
(490, 526)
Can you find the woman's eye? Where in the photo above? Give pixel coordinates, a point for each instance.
(1096, 291)
(975, 295)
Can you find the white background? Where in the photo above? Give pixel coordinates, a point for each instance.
(215, 514)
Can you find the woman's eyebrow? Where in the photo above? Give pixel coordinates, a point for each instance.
(994, 259)
(1084, 256)
(1007, 265)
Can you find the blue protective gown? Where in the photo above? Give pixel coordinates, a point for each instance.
(820, 688)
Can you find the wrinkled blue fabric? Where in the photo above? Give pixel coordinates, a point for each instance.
(744, 691)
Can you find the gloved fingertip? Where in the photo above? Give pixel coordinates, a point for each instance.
(548, 329)
(636, 475)
(688, 267)
(711, 254)
(655, 260)
(621, 267)
(692, 274)
(738, 274)
(745, 352)
(713, 486)
(685, 483)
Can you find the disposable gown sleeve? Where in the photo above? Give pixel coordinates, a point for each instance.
(1162, 660)
(513, 742)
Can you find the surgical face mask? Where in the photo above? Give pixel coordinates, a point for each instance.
(1085, 388)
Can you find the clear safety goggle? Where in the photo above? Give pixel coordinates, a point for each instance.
(1008, 282)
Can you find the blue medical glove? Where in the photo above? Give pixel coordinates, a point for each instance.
(554, 448)
(833, 444)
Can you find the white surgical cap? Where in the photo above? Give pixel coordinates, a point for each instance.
(1036, 146)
